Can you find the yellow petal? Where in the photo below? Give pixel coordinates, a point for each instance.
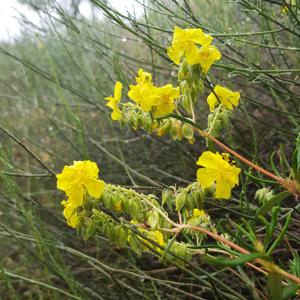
(209, 159)
(199, 37)
(212, 101)
(227, 97)
(118, 91)
(206, 177)
(95, 187)
(65, 178)
(176, 52)
(76, 196)
(116, 115)
(192, 54)
(143, 77)
(165, 102)
(90, 168)
(206, 56)
(223, 189)
(71, 215)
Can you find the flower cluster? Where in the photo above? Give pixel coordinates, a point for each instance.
(184, 45)
(157, 100)
(150, 108)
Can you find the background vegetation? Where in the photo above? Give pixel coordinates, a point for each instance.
(53, 81)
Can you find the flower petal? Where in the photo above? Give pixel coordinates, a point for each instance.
(212, 101)
(95, 187)
(206, 177)
(209, 159)
(223, 189)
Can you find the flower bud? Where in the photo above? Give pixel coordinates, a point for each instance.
(164, 128)
(188, 132)
(180, 200)
(176, 131)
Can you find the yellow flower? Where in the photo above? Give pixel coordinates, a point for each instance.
(206, 56)
(70, 213)
(144, 92)
(165, 101)
(79, 179)
(184, 44)
(160, 100)
(217, 169)
(227, 97)
(113, 101)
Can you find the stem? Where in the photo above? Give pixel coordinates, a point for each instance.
(215, 118)
(234, 246)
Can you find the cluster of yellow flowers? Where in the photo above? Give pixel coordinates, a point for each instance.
(161, 101)
(158, 100)
(184, 45)
(78, 181)
(190, 47)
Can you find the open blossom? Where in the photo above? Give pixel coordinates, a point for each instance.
(221, 94)
(184, 44)
(79, 179)
(113, 101)
(159, 100)
(217, 170)
(165, 103)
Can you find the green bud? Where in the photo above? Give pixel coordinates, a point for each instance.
(91, 228)
(153, 219)
(181, 200)
(198, 198)
(135, 244)
(164, 128)
(188, 132)
(186, 102)
(225, 117)
(168, 198)
(263, 195)
(133, 208)
(183, 87)
(183, 70)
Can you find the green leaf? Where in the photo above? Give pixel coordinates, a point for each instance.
(135, 244)
(260, 180)
(153, 219)
(289, 291)
(122, 236)
(133, 209)
(275, 286)
(281, 235)
(221, 261)
(275, 200)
